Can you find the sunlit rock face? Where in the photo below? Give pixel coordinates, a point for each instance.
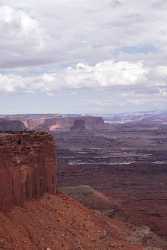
(66, 123)
(27, 167)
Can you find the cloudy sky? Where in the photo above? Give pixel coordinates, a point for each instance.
(83, 56)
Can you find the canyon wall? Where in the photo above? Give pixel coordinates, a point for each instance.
(11, 125)
(50, 122)
(66, 123)
(27, 167)
(79, 125)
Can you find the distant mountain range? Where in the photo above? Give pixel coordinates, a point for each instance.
(150, 116)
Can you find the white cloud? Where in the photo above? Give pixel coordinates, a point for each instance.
(82, 31)
(163, 92)
(20, 34)
(104, 74)
(107, 73)
(70, 44)
(162, 71)
(13, 83)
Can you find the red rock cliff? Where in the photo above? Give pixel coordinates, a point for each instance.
(66, 123)
(27, 167)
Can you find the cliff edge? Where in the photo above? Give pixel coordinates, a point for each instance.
(27, 167)
(33, 216)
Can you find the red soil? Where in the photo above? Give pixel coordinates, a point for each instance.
(58, 222)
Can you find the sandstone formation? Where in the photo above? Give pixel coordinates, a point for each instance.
(79, 125)
(11, 125)
(52, 122)
(30, 121)
(27, 167)
(33, 216)
(63, 123)
(32, 124)
(94, 122)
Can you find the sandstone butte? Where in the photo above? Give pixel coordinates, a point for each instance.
(33, 215)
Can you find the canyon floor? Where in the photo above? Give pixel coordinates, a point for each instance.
(126, 163)
(118, 171)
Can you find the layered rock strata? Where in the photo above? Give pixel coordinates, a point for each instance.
(27, 167)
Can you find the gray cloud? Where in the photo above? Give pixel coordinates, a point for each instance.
(88, 31)
(64, 44)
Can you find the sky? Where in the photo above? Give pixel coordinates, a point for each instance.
(83, 56)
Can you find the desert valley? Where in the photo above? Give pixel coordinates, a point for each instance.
(83, 125)
(114, 165)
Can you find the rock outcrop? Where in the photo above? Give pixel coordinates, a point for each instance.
(79, 125)
(32, 124)
(11, 125)
(51, 123)
(53, 222)
(66, 123)
(27, 167)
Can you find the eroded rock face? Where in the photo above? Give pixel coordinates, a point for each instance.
(27, 167)
(66, 123)
(11, 125)
(79, 125)
(53, 122)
